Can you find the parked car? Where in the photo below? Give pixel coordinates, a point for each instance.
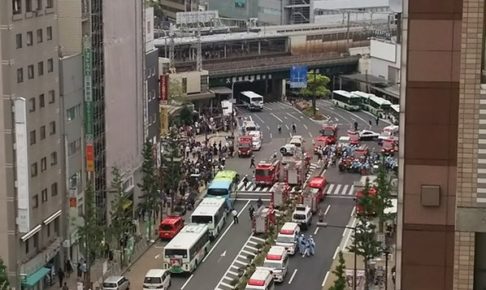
(368, 135)
(116, 283)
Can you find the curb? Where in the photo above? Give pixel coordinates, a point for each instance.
(138, 258)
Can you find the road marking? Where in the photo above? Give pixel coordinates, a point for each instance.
(157, 256)
(271, 136)
(188, 280)
(331, 187)
(315, 232)
(353, 224)
(351, 190)
(224, 233)
(240, 262)
(231, 287)
(310, 134)
(287, 126)
(223, 254)
(259, 118)
(305, 126)
(268, 127)
(352, 212)
(335, 253)
(293, 276)
(345, 189)
(327, 209)
(255, 249)
(276, 117)
(325, 279)
(233, 273)
(338, 188)
(292, 116)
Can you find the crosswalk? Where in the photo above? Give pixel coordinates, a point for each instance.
(339, 189)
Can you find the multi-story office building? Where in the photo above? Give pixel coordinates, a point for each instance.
(171, 7)
(442, 201)
(31, 145)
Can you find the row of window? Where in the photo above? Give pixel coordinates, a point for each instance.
(29, 41)
(43, 164)
(29, 5)
(42, 100)
(42, 133)
(31, 71)
(73, 112)
(44, 195)
(35, 238)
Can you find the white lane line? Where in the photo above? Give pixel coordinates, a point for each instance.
(338, 188)
(280, 120)
(259, 118)
(236, 274)
(224, 233)
(287, 126)
(315, 232)
(335, 253)
(293, 276)
(329, 190)
(345, 189)
(268, 127)
(292, 116)
(351, 190)
(231, 287)
(305, 126)
(310, 134)
(353, 224)
(247, 252)
(254, 199)
(352, 212)
(258, 239)
(325, 279)
(240, 262)
(250, 247)
(271, 136)
(327, 209)
(188, 280)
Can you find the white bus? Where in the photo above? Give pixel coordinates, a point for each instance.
(252, 100)
(394, 114)
(187, 249)
(212, 212)
(373, 104)
(346, 100)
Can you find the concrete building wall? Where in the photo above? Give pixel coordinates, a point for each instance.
(248, 9)
(70, 13)
(385, 59)
(124, 51)
(153, 95)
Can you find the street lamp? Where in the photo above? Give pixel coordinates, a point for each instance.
(325, 225)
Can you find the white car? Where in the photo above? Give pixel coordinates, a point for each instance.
(256, 139)
(368, 135)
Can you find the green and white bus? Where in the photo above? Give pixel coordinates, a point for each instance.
(375, 105)
(346, 100)
(211, 211)
(394, 114)
(187, 249)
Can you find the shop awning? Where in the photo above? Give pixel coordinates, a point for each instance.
(200, 96)
(34, 278)
(221, 90)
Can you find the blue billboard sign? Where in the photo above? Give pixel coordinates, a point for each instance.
(298, 76)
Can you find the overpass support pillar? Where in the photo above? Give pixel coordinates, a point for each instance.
(278, 89)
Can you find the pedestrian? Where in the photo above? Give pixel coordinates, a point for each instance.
(302, 245)
(259, 202)
(377, 120)
(312, 246)
(65, 286)
(252, 162)
(69, 268)
(371, 123)
(60, 274)
(83, 268)
(252, 211)
(355, 126)
(279, 127)
(235, 216)
(294, 128)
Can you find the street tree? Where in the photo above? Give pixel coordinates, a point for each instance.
(366, 245)
(185, 115)
(383, 198)
(121, 218)
(339, 272)
(171, 162)
(317, 85)
(177, 93)
(4, 284)
(149, 186)
(91, 233)
(366, 201)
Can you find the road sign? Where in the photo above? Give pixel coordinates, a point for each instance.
(298, 76)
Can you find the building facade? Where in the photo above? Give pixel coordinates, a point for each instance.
(442, 201)
(171, 7)
(31, 150)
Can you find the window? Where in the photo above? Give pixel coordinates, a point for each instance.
(40, 68)
(74, 147)
(71, 113)
(39, 4)
(49, 32)
(39, 35)
(54, 189)
(42, 101)
(43, 164)
(52, 97)
(48, 230)
(56, 226)
(35, 201)
(28, 5)
(50, 65)
(17, 9)
(42, 132)
(53, 158)
(36, 241)
(32, 137)
(50, 4)
(30, 71)
(33, 169)
(20, 75)
(44, 195)
(30, 38)
(31, 104)
(52, 128)
(18, 40)
(27, 245)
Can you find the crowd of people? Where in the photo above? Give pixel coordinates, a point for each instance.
(306, 245)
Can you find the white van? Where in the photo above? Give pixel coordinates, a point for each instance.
(156, 279)
(302, 215)
(277, 261)
(287, 237)
(262, 279)
(297, 140)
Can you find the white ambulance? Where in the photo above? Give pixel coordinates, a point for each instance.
(287, 237)
(261, 279)
(277, 261)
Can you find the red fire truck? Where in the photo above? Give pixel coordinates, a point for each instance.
(295, 171)
(314, 193)
(245, 144)
(267, 172)
(280, 193)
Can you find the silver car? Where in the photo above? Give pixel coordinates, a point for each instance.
(116, 283)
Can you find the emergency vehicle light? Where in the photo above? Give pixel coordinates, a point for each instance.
(255, 282)
(286, 232)
(274, 257)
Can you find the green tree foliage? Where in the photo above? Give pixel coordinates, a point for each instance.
(177, 93)
(149, 185)
(383, 199)
(4, 284)
(317, 84)
(185, 115)
(171, 159)
(121, 218)
(339, 271)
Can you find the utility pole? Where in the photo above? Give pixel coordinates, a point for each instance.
(199, 49)
(314, 109)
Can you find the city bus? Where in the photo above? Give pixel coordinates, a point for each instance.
(363, 98)
(225, 188)
(252, 100)
(394, 114)
(375, 105)
(346, 100)
(187, 249)
(212, 212)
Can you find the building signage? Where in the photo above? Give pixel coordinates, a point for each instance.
(298, 76)
(164, 121)
(88, 103)
(164, 88)
(89, 157)
(21, 154)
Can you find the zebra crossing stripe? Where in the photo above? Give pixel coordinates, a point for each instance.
(345, 189)
(338, 188)
(330, 188)
(351, 190)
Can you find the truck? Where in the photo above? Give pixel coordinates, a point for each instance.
(359, 187)
(328, 136)
(245, 145)
(267, 172)
(280, 193)
(295, 171)
(314, 193)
